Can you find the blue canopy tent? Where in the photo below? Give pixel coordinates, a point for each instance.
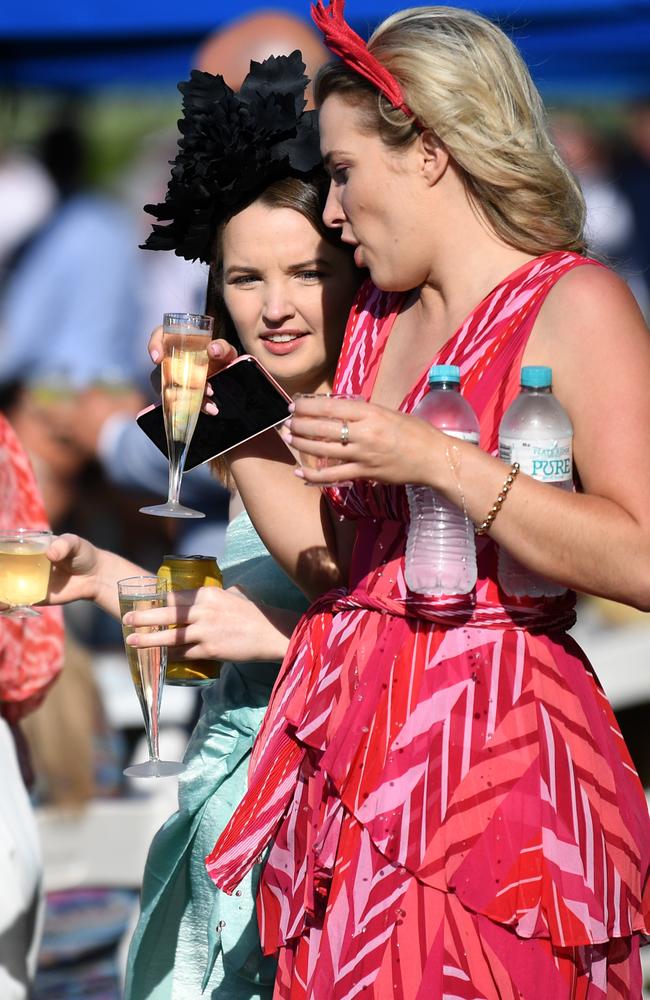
(575, 48)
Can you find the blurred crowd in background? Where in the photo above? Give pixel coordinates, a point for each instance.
(78, 301)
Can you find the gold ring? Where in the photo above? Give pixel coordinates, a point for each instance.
(345, 433)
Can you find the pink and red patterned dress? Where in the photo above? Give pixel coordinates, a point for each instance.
(452, 809)
(31, 650)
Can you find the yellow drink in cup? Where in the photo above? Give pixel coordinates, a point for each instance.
(24, 570)
(190, 573)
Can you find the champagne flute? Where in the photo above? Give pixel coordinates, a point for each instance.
(24, 570)
(147, 666)
(184, 370)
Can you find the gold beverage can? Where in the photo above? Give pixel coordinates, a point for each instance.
(190, 573)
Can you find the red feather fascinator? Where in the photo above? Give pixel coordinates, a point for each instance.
(351, 48)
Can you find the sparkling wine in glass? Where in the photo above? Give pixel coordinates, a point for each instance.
(24, 570)
(147, 666)
(184, 370)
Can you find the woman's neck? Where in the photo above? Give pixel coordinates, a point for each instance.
(471, 268)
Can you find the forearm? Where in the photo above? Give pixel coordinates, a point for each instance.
(291, 519)
(585, 542)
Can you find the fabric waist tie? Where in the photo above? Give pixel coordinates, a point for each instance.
(277, 755)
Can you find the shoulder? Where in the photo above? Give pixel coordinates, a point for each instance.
(590, 330)
(587, 289)
(587, 304)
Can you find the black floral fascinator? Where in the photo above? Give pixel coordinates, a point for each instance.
(232, 146)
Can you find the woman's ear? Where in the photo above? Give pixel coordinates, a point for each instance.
(434, 157)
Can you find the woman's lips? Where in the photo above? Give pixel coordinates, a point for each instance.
(284, 342)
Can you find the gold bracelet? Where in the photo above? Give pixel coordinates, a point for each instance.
(485, 525)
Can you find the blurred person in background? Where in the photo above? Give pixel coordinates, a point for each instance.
(27, 197)
(612, 227)
(74, 287)
(633, 174)
(76, 282)
(31, 656)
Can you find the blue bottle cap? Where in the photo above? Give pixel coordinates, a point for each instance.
(444, 373)
(536, 377)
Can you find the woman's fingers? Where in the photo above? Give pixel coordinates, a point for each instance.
(61, 547)
(221, 354)
(156, 618)
(155, 345)
(160, 637)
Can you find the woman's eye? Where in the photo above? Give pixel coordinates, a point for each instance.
(244, 279)
(340, 175)
(310, 275)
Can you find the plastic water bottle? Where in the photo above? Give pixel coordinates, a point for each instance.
(440, 548)
(536, 432)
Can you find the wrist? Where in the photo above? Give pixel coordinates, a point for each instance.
(432, 459)
(280, 623)
(102, 588)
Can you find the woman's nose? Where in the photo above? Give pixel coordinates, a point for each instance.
(277, 304)
(333, 214)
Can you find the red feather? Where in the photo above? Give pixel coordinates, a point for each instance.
(351, 48)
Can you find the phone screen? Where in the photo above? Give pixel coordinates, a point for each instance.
(249, 402)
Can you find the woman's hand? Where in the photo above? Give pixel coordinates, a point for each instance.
(379, 444)
(220, 352)
(73, 577)
(81, 571)
(214, 624)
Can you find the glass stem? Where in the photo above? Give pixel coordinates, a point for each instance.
(152, 737)
(175, 476)
(152, 729)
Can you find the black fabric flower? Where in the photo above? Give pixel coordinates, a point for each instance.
(232, 146)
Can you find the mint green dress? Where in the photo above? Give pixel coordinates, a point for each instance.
(193, 941)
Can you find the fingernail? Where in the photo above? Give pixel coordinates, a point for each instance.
(291, 407)
(298, 472)
(216, 350)
(209, 391)
(211, 408)
(128, 617)
(286, 435)
(155, 356)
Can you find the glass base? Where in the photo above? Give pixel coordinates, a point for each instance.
(155, 769)
(171, 510)
(21, 611)
(189, 682)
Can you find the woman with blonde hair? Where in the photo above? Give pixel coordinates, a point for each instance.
(451, 808)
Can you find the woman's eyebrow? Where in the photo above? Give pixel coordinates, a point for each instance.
(240, 269)
(306, 264)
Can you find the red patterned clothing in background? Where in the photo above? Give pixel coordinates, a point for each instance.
(454, 812)
(31, 650)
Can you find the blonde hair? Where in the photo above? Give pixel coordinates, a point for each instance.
(465, 81)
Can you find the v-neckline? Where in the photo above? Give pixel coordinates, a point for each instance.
(387, 328)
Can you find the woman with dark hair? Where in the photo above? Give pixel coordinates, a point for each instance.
(247, 195)
(450, 805)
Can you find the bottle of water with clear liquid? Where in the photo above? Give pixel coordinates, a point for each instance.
(440, 548)
(536, 432)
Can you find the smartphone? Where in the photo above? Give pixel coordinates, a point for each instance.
(249, 400)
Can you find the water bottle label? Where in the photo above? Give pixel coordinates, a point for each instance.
(470, 436)
(548, 461)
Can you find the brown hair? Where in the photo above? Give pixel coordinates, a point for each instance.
(466, 82)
